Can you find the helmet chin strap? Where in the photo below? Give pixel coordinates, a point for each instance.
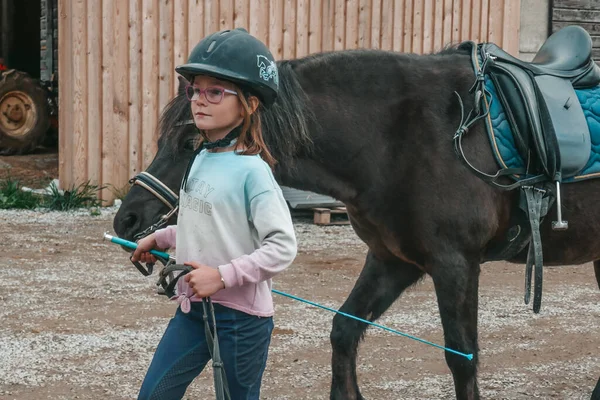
(227, 141)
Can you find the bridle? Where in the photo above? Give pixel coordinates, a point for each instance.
(160, 191)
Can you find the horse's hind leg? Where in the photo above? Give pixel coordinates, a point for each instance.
(597, 271)
(379, 284)
(456, 281)
(596, 393)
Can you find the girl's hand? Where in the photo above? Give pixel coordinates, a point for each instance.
(204, 280)
(143, 247)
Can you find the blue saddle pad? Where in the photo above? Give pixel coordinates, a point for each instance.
(503, 145)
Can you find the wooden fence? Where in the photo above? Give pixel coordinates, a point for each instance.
(117, 58)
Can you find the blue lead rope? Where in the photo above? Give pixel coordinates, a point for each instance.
(467, 356)
(133, 246)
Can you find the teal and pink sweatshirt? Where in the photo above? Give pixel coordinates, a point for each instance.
(232, 217)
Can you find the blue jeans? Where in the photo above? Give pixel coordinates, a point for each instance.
(183, 353)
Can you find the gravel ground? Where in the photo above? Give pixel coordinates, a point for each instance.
(79, 322)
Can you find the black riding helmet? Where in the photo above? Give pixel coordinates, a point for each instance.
(236, 56)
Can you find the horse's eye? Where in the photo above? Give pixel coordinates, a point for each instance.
(189, 145)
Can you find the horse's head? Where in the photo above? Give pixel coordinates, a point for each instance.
(154, 191)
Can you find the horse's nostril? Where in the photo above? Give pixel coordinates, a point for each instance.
(126, 223)
(129, 220)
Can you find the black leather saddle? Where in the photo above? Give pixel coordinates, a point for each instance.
(539, 98)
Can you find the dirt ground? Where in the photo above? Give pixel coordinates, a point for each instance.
(80, 322)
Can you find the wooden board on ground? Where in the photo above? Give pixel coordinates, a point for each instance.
(322, 216)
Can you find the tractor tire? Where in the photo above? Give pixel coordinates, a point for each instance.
(24, 113)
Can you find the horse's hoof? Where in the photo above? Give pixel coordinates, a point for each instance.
(337, 395)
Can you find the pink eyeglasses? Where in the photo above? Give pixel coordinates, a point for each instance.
(213, 94)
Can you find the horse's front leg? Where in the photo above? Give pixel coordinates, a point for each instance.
(379, 284)
(456, 281)
(596, 393)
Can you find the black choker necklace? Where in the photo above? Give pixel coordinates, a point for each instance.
(224, 142)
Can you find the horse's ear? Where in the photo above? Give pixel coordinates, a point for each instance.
(182, 83)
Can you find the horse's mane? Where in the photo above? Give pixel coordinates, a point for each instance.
(287, 123)
(175, 121)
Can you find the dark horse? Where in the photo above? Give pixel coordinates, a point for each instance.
(374, 129)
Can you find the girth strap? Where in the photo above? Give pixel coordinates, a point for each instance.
(536, 185)
(537, 207)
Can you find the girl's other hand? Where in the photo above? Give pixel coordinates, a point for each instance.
(204, 280)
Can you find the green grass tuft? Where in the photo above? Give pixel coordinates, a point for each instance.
(83, 196)
(11, 196)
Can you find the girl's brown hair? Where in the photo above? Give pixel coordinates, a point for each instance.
(251, 137)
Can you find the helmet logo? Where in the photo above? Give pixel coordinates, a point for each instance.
(267, 69)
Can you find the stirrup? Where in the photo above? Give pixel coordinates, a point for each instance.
(559, 225)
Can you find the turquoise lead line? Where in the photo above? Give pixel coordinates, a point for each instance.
(467, 356)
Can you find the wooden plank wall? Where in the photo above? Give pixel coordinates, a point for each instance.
(117, 58)
(585, 13)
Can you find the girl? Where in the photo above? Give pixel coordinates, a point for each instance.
(234, 227)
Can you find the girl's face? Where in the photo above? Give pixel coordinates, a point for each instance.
(215, 106)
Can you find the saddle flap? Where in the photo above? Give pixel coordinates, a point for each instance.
(569, 122)
(518, 96)
(546, 120)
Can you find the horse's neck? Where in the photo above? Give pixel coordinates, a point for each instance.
(307, 174)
